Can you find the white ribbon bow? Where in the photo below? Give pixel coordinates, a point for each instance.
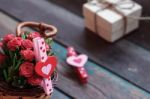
(122, 4)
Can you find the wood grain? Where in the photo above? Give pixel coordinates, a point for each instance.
(74, 6)
(58, 95)
(111, 86)
(105, 83)
(123, 57)
(102, 84)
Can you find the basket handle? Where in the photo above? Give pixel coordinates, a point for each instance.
(46, 29)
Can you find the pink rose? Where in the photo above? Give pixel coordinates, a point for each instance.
(14, 43)
(33, 35)
(26, 44)
(8, 37)
(27, 54)
(26, 69)
(35, 80)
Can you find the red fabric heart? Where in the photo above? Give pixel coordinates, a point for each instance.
(45, 69)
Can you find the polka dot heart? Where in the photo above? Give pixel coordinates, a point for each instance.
(78, 62)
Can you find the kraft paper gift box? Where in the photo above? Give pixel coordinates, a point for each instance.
(107, 22)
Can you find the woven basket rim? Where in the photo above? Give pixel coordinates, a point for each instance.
(6, 89)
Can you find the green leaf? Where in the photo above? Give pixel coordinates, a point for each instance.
(50, 53)
(19, 81)
(49, 41)
(26, 33)
(10, 71)
(23, 36)
(5, 75)
(14, 60)
(10, 54)
(23, 81)
(18, 64)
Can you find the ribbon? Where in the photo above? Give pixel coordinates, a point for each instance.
(119, 3)
(110, 4)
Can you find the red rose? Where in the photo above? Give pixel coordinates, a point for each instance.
(2, 58)
(33, 35)
(35, 80)
(26, 69)
(14, 43)
(27, 54)
(27, 44)
(8, 37)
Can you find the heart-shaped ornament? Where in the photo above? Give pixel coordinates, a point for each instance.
(45, 69)
(77, 61)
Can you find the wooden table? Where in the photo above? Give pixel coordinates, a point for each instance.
(116, 71)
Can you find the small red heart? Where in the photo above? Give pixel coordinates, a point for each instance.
(45, 69)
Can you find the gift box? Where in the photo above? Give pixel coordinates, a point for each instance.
(111, 20)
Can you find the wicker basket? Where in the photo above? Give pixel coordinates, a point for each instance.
(9, 92)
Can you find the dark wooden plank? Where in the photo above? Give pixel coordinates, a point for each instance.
(142, 36)
(58, 95)
(109, 84)
(102, 84)
(123, 57)
(139, 37)
(78, 91)
(74, 6)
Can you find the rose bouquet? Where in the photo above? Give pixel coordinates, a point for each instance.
(18, 60)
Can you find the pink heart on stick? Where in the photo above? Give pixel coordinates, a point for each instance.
(77, 61)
